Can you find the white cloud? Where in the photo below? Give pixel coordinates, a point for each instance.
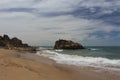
(30, 27)
(31, 30)
(4, 15)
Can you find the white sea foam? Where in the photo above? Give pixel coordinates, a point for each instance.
(59, 50)
(80, 60)
(93, 49)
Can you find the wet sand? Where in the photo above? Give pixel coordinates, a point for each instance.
(26, 66)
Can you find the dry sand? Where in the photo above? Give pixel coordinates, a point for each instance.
(26, 66)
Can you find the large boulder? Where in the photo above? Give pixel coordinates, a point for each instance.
(67, 44)
(6, 38)
(1, 42)
(17, 42)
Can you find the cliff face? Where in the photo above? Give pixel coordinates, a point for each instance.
(67, 44)
(14, 43)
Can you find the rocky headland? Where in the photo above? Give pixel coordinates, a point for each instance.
(67, 44)
(14, 44)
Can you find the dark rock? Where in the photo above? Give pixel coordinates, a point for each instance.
(25, 45)
(1, 38)
(2, 44)
(67, 44)
(14, 43)
(4, 40)
(6, 37)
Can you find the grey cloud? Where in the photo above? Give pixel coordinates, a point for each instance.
(51, 28)
(17, 10)
(69, 19)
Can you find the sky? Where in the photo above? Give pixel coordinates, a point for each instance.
(42, 22)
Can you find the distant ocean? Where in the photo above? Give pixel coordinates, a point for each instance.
(104, 57)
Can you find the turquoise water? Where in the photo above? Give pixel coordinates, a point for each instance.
(107, 57)
(110, 52)
(104, 52)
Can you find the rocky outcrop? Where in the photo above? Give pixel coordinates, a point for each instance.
(14, 43)
(17, 42)
(67, 44)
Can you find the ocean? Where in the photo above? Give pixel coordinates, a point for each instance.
(102, 56)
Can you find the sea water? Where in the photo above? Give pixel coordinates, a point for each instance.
(104, 57)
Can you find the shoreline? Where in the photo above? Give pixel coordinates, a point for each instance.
(78, 72)
(39, 67)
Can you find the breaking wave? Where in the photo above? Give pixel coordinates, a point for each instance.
(80, 60)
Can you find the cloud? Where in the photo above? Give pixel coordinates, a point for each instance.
(44, 21)
(104, 10)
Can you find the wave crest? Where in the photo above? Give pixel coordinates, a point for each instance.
(80, 60)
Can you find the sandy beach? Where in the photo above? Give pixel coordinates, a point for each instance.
(15, 65)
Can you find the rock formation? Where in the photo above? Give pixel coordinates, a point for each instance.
(14, 43)
(67, 44)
